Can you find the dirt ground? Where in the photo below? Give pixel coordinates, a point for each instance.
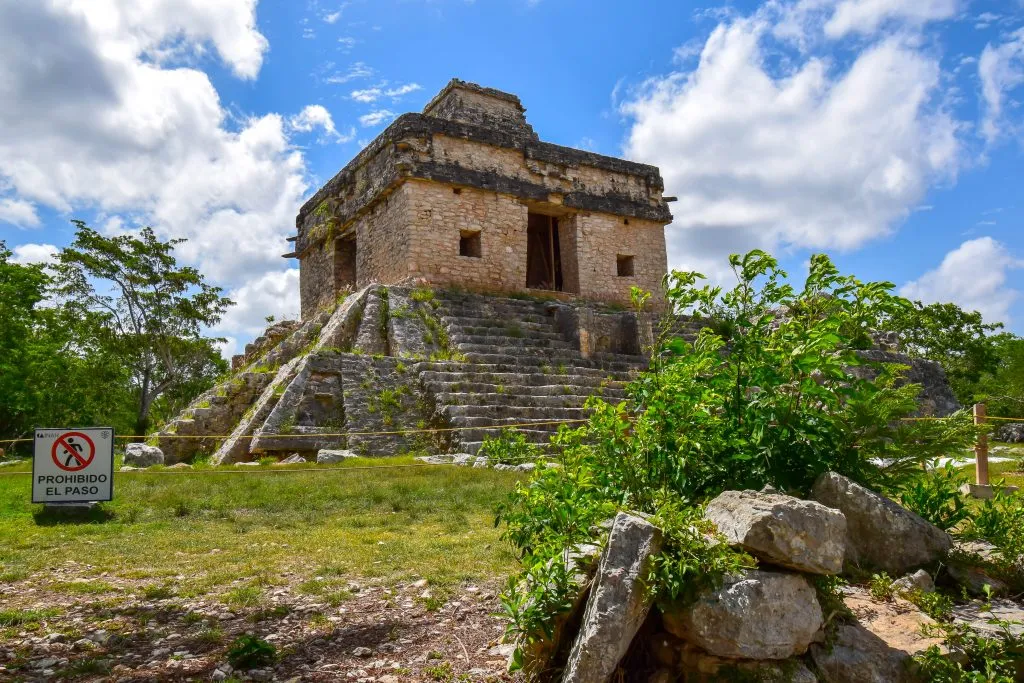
(380, 633)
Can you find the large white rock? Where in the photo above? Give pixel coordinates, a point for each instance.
(329, 456)
(618, 601)
(879, 532)
(756, 614)
(141, 455)
(782, 530)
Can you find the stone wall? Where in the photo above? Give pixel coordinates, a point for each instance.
(382, 239)
(439, 217)
(316, 280)
(601, 238)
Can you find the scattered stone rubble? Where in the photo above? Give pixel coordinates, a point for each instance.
(1011, 433)
(766, 623)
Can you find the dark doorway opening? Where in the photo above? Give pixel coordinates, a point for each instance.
(543, 254)
(345, 264)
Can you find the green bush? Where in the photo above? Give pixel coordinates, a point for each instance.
(250, 652)
(510, 447)
(980, 659)
(935, 495)
(1000, 521)
(781, 399)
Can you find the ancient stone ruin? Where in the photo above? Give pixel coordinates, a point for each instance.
(457, 276)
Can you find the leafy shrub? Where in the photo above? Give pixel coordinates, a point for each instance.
(781, 399)
(250, 652)
(935, 495)
(881, 587)
(510, 447)
(981, 659)
(1000, 521)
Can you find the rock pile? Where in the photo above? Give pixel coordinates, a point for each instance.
(765, 623)
(1011, 433)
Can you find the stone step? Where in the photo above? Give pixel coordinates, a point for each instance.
(459, 415)
(574, 400)
(514, 376)
(475, 318)
(519, 347)
(543, 423)
(504, 341)
(553, 360)
(611, 390)
(489, 326)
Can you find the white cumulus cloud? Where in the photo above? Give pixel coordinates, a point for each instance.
(376, 117)
(90, 118)
(811, 156)
(34, 253)
(275, 293)
(973, 276)
(18, 212)
(1001, 69)
(316, 116)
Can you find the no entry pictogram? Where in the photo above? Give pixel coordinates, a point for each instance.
(73, 451)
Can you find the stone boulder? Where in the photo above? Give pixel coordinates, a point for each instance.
(877, 646)
(879, 532)
(918, 581)
(757, 614)
(141, 455)
(619, 601)
(1011, 433)
(782, 530)
(293, 459)
(330, 456)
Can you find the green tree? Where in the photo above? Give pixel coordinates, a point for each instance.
(959, 340)
(22, 288)
(152, 311)
(1003, 388)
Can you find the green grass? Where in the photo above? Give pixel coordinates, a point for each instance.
(213, 529)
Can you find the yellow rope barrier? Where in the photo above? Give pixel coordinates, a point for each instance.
(310, 436)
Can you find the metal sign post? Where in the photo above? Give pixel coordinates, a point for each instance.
(73, 465)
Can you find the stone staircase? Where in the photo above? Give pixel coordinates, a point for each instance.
(516, 368)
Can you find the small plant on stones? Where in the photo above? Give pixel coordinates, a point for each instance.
(509, 448)
(251, 652)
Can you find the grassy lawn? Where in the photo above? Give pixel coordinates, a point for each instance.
(190, 533)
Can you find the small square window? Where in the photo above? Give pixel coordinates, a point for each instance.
(469, 244)
(624, 265)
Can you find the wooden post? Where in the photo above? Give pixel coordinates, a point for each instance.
(980, 448)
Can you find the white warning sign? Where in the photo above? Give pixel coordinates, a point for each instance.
(73, 465)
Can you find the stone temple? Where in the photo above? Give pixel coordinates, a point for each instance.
(465, 194)
(458, 276)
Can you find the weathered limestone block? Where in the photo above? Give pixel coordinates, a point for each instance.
(757, 614)
(329, 456)
(293, 459)
(618, 602)
(372, 336)
(877, 647)
(979, 615)
(782, 530)
(918, 581)
(582, 562)
(879, 532)
(699, 667)
(141, 455)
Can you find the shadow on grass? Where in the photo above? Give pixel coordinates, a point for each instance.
(51, 516)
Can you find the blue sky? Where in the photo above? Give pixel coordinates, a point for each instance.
(885, 132)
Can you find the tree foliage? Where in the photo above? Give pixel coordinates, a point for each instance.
(959, 340)
(153, 309)
(112, 334)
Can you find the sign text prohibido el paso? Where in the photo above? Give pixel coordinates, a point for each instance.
(72, 465)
